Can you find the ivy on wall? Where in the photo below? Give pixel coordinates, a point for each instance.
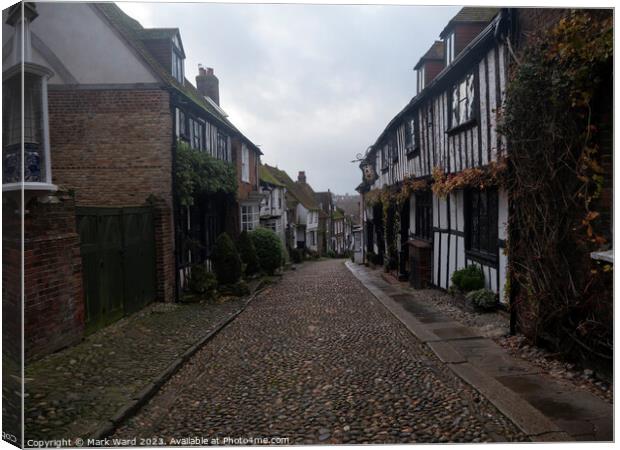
(554, 180)
(198, 173)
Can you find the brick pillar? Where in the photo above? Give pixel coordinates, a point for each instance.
(53, 295)
(164, 248)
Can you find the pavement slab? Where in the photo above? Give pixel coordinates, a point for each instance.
(541, 407)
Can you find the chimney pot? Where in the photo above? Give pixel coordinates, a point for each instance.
(301, 177)
(207, 84)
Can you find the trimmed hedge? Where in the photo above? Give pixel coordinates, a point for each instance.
(247, 251)
(268, 248)
(226, 260)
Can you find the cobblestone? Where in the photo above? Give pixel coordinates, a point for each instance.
(316, 359)
(69, 393)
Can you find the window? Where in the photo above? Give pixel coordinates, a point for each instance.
(424, 216)
(313, 238)
(181, 123)
(420, 78)
(393, 150)
(412, 140)
(222, 146)
(279, 199)
(245, 164)
(449, 42)
(196, 130)
(178, 62)
(35, 145)
(463, 101)
(481, 225)
(249, 217)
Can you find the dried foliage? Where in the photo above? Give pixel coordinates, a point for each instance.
(555, 177)
(475, 177)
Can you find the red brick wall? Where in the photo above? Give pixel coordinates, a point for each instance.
(432, 69)
(53, 298)
(113, 148)
(464, 33)
(533, 20)
(244, 189)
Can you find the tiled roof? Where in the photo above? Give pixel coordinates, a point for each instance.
(471, 14)
(133, 33)
(433, 53)
(265, 175)
(294, 189)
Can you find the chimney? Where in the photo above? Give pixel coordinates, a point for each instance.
(301, 177)
(207, 84)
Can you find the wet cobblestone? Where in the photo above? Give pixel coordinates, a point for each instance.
(69, 393)
(316, 359)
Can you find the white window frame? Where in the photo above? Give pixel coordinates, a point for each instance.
(420, 78)
(450, 48)
(249, 217)
(245, 164)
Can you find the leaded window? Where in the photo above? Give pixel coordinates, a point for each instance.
(481, 226)
(222, 146)
(463, 102)
(196, 129)
(424, 215)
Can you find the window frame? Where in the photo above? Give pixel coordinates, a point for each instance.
(472, 106)
(424, 216)
(474, 247)
(245, 163)
(250, 217)
(449, 46)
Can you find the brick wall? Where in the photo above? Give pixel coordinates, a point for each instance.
(53, 298)
(113, 148)
(244, 188)
(533, 20)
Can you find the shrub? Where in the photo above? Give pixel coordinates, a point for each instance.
(226, 260)
(331, 254)
(248, 255)
(468, 279)
(482, 299)
(268, 248)
(201, 281)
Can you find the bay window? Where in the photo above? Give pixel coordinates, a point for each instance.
(25, 133)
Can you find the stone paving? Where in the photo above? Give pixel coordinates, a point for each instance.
(69, 393)
(317, 359)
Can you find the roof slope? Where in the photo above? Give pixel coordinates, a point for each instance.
(265, 176)
(471, 14)
(134, 32)
(295, 189)
(433, 53)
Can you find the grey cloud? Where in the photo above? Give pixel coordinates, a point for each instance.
(312, 84)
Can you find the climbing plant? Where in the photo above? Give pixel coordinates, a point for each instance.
(199, 173)
(555, 179)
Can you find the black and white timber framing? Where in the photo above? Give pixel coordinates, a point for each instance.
(440, 143)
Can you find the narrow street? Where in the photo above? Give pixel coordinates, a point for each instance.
(316, 358)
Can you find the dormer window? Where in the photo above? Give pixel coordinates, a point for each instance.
(449, 48)
(178, 61)
(420, 78)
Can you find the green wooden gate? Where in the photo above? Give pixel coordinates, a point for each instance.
(118, 262)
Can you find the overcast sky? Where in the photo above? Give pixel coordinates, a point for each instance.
(313, 85)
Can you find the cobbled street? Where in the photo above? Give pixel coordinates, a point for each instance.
(317, 359)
